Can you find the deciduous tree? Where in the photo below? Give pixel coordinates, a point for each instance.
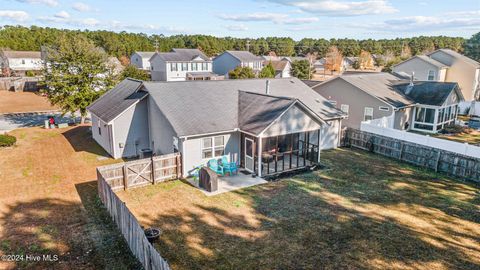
(241, 73)
(333, 59)
(76, 74)
(267, 71)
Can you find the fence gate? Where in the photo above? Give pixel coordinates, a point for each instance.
(138, 173)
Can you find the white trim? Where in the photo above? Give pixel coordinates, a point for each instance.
(259, 157)
(245, 154)
(384, 108)
(113, 140)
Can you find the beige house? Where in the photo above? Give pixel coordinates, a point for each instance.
(405, 105)
(445, 65)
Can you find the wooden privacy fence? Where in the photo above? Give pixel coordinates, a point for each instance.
(455, 164)
(142, 172)
(130, 228)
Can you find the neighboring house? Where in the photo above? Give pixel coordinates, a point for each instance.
(446, 65)
(19, 62)
(182, 65)
(419, 105)
(348, 61)
(141, 60)
(229, 60)
(283, 68)
(275, 124)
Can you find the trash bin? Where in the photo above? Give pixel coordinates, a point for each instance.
(208, 179)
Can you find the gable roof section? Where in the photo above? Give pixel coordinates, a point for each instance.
(457, 55)
(378, 85)
(278, 65)
(311, 83)
(245, 56)
(115, 101)
(145, 55)
(22, 54)
(182, 55)
(257, 111)
(426, 59)
(429, 93)
(219, 107)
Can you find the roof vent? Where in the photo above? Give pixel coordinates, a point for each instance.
(267, 87)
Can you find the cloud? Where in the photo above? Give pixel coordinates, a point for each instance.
(278, 18)
(238, 27)
(67, 20)
(51, 3)
(461, 20)
(150, 28)
(341, 8)
(82, 7)
(15, 15)
(62, 15)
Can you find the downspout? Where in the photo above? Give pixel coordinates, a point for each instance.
(259, 155)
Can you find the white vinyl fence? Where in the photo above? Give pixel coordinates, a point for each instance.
(456, 147)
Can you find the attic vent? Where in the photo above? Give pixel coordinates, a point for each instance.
(292, 81)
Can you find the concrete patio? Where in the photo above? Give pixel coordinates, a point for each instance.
(230, 183)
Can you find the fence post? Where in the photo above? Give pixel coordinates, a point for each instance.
(125, 177)
(179, 166)
(438, 160)
(153, 171)
(401, 150)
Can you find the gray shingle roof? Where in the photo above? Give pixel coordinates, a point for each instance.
(182, 55)
(426, 59)
(245, 56)
(257, 111)
(22, 54)
(146, 55)
(392, 89)
(458, 56)
(199, 107)
(428, 93)
(117, 100)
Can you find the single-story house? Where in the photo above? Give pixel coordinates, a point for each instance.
(18, 63)
(409, 105)
(229, 60)
(275, 125)
(141, 59)
(282, 68)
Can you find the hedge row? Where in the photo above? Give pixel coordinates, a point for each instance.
(7, 140)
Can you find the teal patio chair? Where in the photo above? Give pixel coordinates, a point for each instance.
(230, 167)
(213, 164)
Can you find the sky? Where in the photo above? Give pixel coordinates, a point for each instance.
(359, 19)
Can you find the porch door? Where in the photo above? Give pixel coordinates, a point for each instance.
(248, 151)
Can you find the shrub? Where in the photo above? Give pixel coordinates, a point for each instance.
(30, 73)
(7, 140)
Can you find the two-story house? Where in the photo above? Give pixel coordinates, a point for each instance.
(141, 59)
(182, 65)
(446, 65)
(229, 60)
(18, 63)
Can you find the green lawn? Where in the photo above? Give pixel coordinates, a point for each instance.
(363, 212)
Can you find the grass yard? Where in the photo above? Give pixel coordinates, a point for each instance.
(471, 138)
(364, 212)
(49, 203)
(23, 102)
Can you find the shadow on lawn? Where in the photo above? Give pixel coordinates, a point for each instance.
(76, 137)
(297, 227)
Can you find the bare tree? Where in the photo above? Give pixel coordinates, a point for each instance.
(333, 59)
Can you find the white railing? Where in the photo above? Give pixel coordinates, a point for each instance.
(456, 147)
(384, 122)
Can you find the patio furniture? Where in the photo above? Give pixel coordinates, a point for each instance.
(213, 164)
(229, 167)
(208, 179)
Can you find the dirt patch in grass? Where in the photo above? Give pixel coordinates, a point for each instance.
(365, 212)
(23, 102)
(48, 203)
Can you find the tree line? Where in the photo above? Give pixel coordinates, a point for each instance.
(123, 44)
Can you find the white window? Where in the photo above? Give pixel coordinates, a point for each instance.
(184, 66)
(384, 108)
(345, 108)
(204, 66)
(23, 61)
(333, 102)
(368, 114)
(194, 66)
(431, 75)
(173, 66)
(213, 147)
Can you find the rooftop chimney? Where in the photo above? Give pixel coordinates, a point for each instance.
(412, 78)
(267, 87)
(410, 85)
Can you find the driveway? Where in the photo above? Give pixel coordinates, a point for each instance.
(11, 121)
